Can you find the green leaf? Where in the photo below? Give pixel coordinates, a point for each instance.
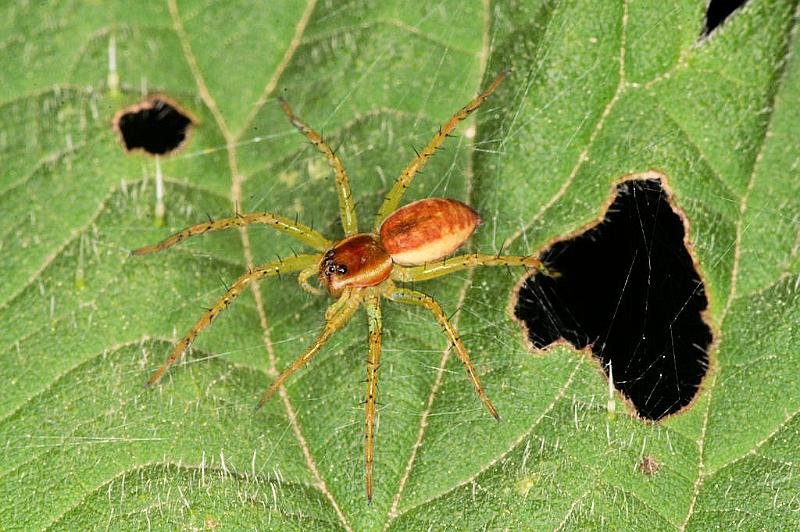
(599, 91)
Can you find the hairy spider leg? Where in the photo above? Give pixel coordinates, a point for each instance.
(373, 308)
(290, 227)
(397, 192)
(346, 209)
(408, 274)
(412, 297)
(270, 269)
(344, 307)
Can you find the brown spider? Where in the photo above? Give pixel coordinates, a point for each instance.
(406, 245)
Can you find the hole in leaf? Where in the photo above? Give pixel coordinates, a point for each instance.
(718, 11)
(628, 289)
(156, 125)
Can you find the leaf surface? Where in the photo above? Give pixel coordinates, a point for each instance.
(598, 91)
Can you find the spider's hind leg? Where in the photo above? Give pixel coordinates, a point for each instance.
(412, 297)
(410, 274)
(270, 269)
(402, 183)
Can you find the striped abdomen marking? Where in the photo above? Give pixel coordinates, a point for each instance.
(427, 230)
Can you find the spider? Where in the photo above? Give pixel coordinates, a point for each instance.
(406, 245)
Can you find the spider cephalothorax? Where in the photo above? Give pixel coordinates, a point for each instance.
(407, 245)
(357, 261)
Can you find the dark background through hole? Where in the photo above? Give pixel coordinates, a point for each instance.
(718, 11)
(628, 288)
(156, 126)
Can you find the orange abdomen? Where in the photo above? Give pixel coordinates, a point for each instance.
(427, 230)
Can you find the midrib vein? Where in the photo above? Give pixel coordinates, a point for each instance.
(236, 195)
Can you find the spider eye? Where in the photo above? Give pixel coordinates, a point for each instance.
(331, 269)
(341, 269)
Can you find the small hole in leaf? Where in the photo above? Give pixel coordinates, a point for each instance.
(718, 11)
(157, 125)
(628, 289)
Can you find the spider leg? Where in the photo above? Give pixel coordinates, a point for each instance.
(412, 297)
(394, 196)
(373, 307)
(346, 209)
(345, 307)
(267, 270)
(409, 274)
(290, 227)
(303, 277)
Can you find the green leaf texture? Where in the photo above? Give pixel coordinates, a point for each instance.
(598, 91)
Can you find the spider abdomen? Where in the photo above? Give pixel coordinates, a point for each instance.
(427, 230)
(357, 261)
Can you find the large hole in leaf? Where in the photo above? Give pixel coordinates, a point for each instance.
(718, 11)
(156, 125)
(628, 289)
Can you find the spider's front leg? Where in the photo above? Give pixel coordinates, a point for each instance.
(412, 297)
(337, 317)
(347, 210)
(292, 228)
(290, 264)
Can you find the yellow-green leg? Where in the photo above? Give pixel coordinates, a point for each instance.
(290, 227)
(270, 269)
(412, 297)
(344, 308)
(397, 192)
(346, 209)
(409, 274)
(373, 307)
